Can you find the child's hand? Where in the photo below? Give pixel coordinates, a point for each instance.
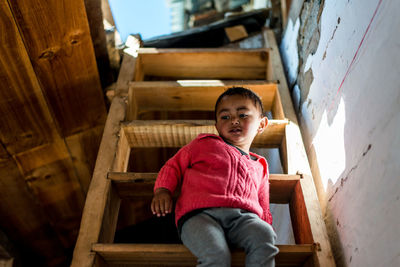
(162, 202)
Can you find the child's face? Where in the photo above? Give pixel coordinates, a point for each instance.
(239, 120)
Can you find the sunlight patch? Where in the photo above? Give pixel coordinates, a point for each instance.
(329, 146)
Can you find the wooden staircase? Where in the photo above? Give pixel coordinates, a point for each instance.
(180, 80)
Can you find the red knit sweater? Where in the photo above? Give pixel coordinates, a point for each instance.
(212, 173)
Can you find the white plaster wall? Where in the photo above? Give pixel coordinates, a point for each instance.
(355, 132)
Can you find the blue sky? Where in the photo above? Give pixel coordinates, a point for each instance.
(148, 17)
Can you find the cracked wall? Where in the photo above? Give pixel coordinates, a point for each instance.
(341, 59)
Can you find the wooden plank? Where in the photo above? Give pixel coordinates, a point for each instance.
(281, 187)
(113, 204)
(99, 189)
(126, 74)
(296, 158)
(179, 255)
(110, 218)
(284, 154)
(25, 120)
(236, 33)
(51, 177)
(205, 63)
(277, 110)
(83, 148)
(139, 72)
(123, 151)
(177, 133)
(57, 37)
(284, 14)
(193, 94)
(24, 220)
(299, 216)
(140, 185)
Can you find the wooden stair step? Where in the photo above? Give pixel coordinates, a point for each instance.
(214, 63)
(193, 94)
(177, 133)
(130, 185)
(179, 255)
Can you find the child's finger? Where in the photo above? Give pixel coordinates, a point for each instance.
(168, 206)
(164, 207)
(153, 206)
(157, 210)
(161, 207)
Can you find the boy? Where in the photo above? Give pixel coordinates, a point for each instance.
(224, 197)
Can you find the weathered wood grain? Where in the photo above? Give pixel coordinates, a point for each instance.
(51, 177)
(300, 220)
(83, 148)
(25, 120)
(204, 63)
(179, 255)
(140, 186)
(193, 94)
(24, 220)
(57, 37)
(177, 133)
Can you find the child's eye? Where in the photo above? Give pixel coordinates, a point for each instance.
(225, 117)
(243, 115)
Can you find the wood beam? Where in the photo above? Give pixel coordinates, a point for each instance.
(204, 63)
(19, 206)
(140, 185)
(177, 133)
(179, 255)
(187, 95)
(83, 148)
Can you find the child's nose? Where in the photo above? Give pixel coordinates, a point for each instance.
(235, 120)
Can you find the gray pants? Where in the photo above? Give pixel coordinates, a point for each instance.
(208, 234)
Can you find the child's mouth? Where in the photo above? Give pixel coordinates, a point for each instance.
(237, 130)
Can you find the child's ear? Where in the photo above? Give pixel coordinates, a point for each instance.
(263, 124)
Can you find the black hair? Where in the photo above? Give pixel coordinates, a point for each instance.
(245, 93)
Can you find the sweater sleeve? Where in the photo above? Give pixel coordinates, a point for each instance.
(171, 174)
(263, 196)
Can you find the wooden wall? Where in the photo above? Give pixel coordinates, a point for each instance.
(52, 114)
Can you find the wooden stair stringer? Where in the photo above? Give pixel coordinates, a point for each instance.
(294, 153)
(97, 211)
